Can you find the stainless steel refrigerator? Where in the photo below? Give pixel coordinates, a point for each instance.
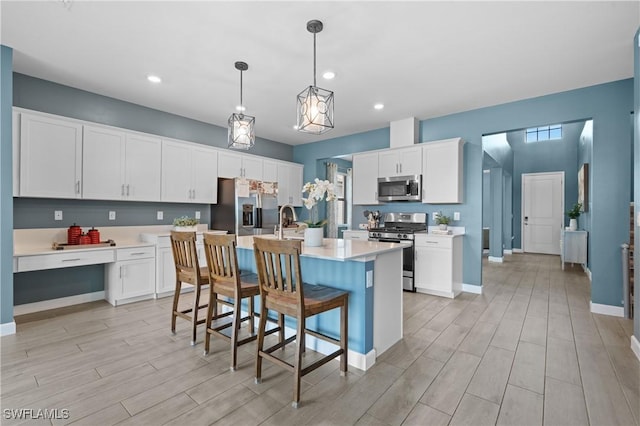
(245, 211)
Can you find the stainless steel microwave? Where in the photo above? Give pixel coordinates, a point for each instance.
(400, 188)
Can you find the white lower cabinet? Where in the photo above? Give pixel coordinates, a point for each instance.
(438, 268)
(132, 276)
(573, 247)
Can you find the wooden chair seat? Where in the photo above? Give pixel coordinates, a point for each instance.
(227, 281)
(188, 271)
(282, 290)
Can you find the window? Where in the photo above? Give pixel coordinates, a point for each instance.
(340, 211)
(544, 133)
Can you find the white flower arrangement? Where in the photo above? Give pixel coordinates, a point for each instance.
(317, 192)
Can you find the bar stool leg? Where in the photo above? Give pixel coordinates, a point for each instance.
(344, 337)
(260, 341)
(176, 295)
(297, 369)
(210, 308)
(194, 314)
(251, 316)
(235, 329)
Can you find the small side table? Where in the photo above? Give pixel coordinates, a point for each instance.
(573, 247)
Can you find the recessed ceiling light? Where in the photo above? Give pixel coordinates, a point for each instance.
(379, 106)
(329, 75)
(240, 108)
(295, 127)
(154, 78)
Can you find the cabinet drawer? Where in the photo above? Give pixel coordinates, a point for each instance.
(135, 253)
(64, 260)
(431, 241)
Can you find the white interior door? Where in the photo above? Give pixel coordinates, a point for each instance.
(542, 212)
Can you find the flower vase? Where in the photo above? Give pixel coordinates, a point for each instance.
(442, 226)
(573, 224)
(193, 228)
(313, 237)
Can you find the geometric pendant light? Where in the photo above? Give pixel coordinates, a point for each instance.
(241, 127)
(314, 105)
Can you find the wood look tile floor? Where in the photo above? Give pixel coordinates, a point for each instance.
(525, 352)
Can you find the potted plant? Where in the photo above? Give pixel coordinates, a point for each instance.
(442, 221)
(318, 190)
(185, 223)
(574, 214)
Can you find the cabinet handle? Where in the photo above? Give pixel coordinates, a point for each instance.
(72, 260)
(77, 187)
(400, 167)
(139, 253)
(122, 190)
(194, 194)
(127, 190)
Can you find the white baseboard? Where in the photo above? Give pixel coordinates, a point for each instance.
(517, 250)
(635, 346)
(8, 328)
(587, 271)
(597, 308)
(496, 259)
(469, 288)
(45, 305)
(508, 251)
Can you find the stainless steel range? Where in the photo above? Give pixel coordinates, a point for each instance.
(402, 227)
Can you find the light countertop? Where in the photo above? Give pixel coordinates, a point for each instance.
(337, 249)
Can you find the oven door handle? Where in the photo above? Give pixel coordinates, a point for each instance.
(388, 240)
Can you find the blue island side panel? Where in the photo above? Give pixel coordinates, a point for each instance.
(349, 276)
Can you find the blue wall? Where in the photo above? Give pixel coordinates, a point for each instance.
(608, 104)
(585, 151)
(6, 186)
(636, 172)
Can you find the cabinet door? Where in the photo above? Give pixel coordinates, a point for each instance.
(252, 168)
(284, 196)
(229, 165)
(50, 157)
(205, 176)
(410, 160)
(15, 138)
(166, 280)
(137, 278)
(442, 172)
(295, 184)
(176, 172)
(365, 178)
(388, 164)
(143, 160)
(269, 171)
(103, 153)
(433, 269)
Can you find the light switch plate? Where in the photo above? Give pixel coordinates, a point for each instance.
(434, 216)
(160, 215)
(57, 215)
(369, 279)
(197, 214)
(456, 215)
(112, 215)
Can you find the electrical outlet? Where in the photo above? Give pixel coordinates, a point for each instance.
(160, 215)
(112, 215)
(434, 216)
(197, 214)
(456, 215)
(57, 215)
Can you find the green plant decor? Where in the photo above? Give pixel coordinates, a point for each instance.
(442, 219)
(185, 221)
(317, 192)
(575, 212)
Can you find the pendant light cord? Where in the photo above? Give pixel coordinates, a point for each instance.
(314, 60)
(241, 105)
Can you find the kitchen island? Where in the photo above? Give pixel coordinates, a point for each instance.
(372, 274)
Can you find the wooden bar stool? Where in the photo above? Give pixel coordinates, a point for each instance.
(227, 281)
(284, 292)
(188, 271)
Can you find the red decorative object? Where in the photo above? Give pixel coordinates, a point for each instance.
(85, 239)
(94, 236)
(73, 234)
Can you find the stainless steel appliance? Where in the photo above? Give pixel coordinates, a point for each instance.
(400, 188)
(244, 208)
(402, 227)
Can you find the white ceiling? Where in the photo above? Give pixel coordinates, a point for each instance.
(422, 59)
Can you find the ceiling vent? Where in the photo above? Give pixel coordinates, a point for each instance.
(404, 132)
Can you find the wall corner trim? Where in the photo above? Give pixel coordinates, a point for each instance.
(635, 346)
(470, 288)
(496, 259)
(8, 328)
(597, 308)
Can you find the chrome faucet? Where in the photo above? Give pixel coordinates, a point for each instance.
(281, 216)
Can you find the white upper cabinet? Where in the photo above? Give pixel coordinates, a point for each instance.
(189, 173)
(232, 165)
(269, 171)
(400, 162)
(15, 137)
(50, 157)
(290, 184)
(365, 178)
(442, 171)
(119, 165)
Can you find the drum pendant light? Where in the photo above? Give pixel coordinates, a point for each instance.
(241, 126)
(314, 105)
